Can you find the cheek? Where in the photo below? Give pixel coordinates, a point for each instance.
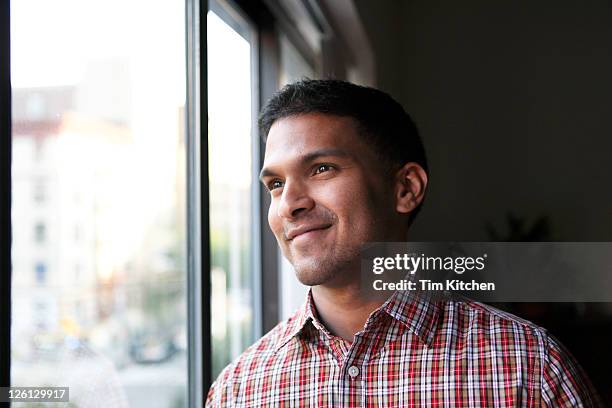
(345, 203)
(273, 220)
(359, 210)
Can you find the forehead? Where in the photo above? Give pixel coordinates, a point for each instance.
(295, 136)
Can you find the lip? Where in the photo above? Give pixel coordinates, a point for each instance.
(296, 232)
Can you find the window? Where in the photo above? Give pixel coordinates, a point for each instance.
(107, 273)
(99, 177)
(230, 138)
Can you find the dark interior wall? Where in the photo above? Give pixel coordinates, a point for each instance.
(383, 23)
(514, 102)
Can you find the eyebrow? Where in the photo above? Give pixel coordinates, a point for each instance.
(309, 157)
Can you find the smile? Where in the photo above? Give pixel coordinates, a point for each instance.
(306, 231)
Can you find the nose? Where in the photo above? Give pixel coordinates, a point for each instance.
(294, 200)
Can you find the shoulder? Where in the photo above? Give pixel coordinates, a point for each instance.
(480, 316)
(227, 385)
(560, 379)
(478, 319)
(564, 383)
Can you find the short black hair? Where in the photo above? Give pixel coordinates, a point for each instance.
(381, 120)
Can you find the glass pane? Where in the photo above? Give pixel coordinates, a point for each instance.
(229, 138)
(98, 200)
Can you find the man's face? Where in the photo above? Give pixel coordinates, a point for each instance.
(329, 195)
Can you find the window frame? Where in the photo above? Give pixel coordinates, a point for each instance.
(198, 237)
(5, 193)
(233, 15)
(266, 68)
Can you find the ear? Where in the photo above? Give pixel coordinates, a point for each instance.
(410, 185)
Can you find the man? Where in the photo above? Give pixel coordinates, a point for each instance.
(344, 166)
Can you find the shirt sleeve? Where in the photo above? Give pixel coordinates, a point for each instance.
(221, 392)
(564, 383)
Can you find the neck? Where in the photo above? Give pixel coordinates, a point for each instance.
(343, 310)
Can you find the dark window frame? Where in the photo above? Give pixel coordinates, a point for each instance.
(267, 63)
(5, 194)
(234, 16)
(198, 237)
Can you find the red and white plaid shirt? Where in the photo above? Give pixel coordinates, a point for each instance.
(411, 353)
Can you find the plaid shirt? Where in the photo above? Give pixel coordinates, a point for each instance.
(411, 353)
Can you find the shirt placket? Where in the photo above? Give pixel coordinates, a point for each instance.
(349, 387)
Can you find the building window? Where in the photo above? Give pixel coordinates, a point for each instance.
(41, 272)
(39, 192)
(40, 233)
(77, 272)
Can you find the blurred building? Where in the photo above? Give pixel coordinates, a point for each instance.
(65, 169)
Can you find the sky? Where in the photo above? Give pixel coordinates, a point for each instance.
(51, 41)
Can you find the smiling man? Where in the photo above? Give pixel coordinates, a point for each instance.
(345, 166)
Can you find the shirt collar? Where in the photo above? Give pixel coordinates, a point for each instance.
(295, 324)
(417, 313)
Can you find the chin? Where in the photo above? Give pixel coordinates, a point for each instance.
(323, 267)
(310, 277)
(312, 273)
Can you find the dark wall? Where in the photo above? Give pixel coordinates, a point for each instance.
(514, 102)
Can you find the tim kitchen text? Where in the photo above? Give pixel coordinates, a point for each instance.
(427, 284)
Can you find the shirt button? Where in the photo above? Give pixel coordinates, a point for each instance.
(353, 371)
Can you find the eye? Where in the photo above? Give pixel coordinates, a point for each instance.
(274, 184)
(322, 168)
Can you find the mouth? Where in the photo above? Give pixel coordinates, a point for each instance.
(306, 231)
